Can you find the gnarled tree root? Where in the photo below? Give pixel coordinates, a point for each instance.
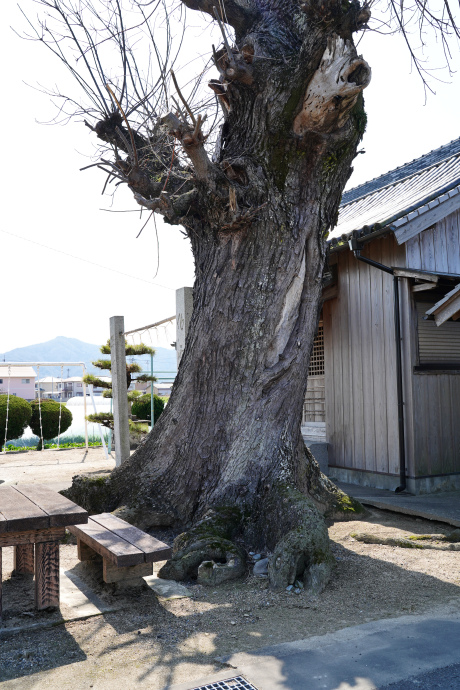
(331, 501)
(287, 524)
(206, 550)
(296, 534)
(100, 494)
(92, 492)
(436, 542)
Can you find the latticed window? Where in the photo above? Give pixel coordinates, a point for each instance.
(317, 355)
(314, 405)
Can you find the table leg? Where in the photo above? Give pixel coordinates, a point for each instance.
(24, 559)
(46, 574)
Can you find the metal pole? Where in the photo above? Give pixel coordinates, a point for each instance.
(152, 416)
(83, 372)
(110, 430)
(100, 429)
(402, 440)
(46, 364)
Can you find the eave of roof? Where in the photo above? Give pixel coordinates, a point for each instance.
(384, 205)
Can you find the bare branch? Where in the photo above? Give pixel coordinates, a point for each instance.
(179, 93)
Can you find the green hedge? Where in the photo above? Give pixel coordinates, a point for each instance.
(141, 407)
(50, 410)
(19, 415)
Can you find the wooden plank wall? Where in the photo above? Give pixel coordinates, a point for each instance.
(437, 249)
(436, 396)
(360, 370)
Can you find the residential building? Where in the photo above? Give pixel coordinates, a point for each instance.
(18, 381)
(161, 389)
(73, 387)
(50, 387)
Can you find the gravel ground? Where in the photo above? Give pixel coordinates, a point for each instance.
(181, 640)
(175, 641)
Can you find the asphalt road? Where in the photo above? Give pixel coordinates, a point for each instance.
(407, 653)
(447, 678)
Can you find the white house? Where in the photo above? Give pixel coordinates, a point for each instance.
(18, 381)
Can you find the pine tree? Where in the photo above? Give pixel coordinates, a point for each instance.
(106, 418)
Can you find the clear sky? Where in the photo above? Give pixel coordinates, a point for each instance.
(51, 215)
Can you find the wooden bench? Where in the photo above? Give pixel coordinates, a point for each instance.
(128, 553)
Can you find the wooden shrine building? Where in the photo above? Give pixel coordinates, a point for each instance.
(387, 394)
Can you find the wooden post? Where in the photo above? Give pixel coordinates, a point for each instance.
(119, 389)
(46, 574)
(24, 559)
(184, 309)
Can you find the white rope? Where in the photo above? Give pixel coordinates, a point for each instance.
(39, 408)
(60, 405)
(7, 405)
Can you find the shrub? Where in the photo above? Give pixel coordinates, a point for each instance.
(50, 419)
(19, 414)
(141, 407)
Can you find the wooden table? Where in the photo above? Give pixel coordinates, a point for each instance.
(33, 519)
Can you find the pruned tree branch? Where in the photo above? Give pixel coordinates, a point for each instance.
(192, 140)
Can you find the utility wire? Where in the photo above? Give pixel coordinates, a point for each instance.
(86, 261)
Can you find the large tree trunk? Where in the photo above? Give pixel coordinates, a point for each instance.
(229, 439)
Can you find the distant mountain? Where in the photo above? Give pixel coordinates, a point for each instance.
(63, 349)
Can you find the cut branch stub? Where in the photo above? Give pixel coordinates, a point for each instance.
(220, 89)
(192, 141)
(334, 88)
(235, 171)
(161, 204)
(234, 65)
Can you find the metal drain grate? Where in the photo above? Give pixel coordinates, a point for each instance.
(237, 683)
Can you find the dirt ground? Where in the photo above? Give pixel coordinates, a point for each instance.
(55, 468)
(168, 642)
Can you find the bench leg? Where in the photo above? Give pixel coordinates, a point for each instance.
(85, 552)
(130, 575)
(24, 559)
(0, 583)
(46, 574)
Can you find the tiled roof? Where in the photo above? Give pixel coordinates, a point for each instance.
(17, 372)
(400, 191)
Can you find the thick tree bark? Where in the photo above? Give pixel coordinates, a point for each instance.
(257, 217)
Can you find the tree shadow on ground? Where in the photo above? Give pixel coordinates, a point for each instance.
(155, 643)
